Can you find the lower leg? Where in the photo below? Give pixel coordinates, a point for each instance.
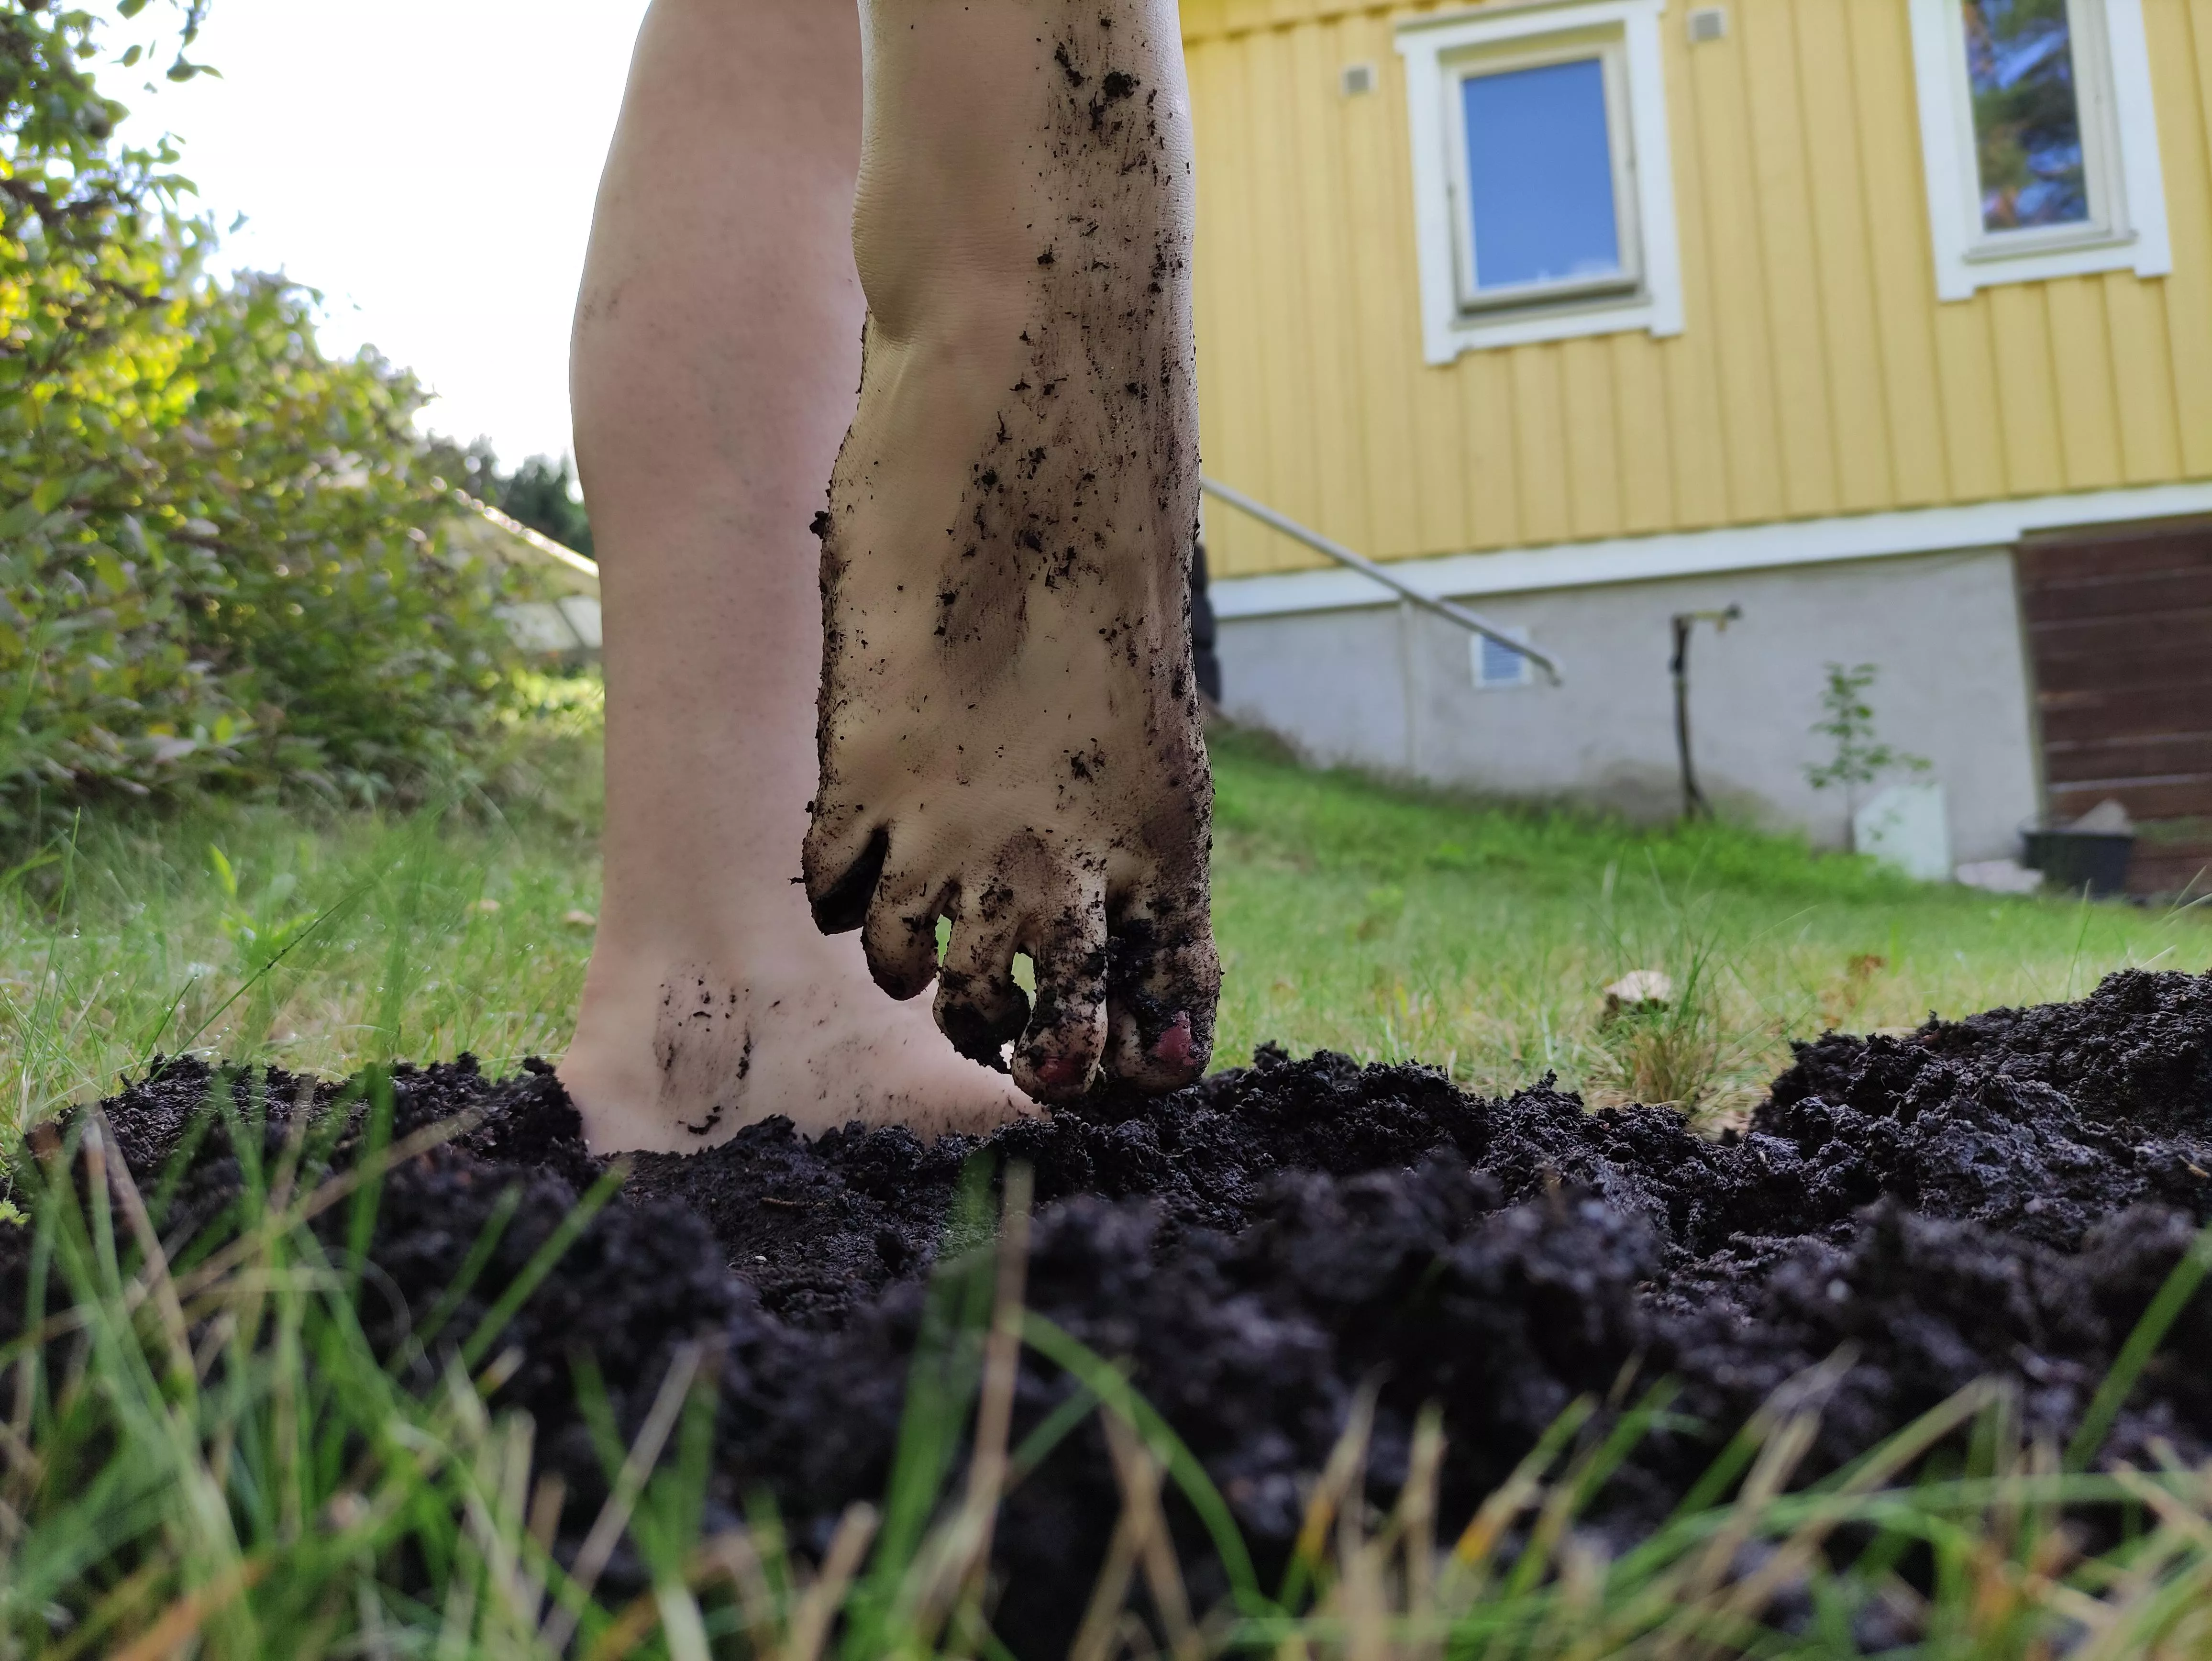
(716, 349)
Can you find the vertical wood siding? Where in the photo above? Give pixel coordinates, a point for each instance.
(1817, 373)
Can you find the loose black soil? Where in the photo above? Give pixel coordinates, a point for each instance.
(2002, 1195)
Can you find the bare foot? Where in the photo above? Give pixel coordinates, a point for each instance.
(1009, 724)
(809, 1038)
(721, 257)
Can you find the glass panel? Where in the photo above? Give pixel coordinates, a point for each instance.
(2027, 120)
(1540, 175)
(1501, 666)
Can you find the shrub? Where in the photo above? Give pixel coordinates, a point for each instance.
(221, 558)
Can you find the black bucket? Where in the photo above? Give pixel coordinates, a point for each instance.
(2071, 860)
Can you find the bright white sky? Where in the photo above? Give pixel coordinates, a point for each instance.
(428, 165)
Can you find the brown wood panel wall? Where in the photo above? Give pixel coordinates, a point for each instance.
(2120, 630)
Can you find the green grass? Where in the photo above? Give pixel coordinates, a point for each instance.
(199, 1454)
(1392, 923)
(317, 947)
(311, 939)
(203, 1454)
(1385, 922)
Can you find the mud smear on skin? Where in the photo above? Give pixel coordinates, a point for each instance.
(1076, 525)
(2002, 1194)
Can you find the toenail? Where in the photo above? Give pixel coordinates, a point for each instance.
(1060, 1072)
(1175, 1045)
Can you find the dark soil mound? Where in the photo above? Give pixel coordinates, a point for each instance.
(1998, 1195)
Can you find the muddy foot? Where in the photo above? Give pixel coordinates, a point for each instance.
(1009, 724)
(807, 1039)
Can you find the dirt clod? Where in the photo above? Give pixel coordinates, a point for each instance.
(2002, 1194)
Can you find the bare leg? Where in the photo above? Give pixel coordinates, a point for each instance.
(717, 347)
(1009, 727)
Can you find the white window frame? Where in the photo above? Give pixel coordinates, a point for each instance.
(2127, 228)
(1439, 52)
(1611, 56)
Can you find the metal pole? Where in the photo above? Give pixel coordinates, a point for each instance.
(1694, 804)
(1367, 567)
(1693, 799)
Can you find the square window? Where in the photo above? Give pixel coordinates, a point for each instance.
(1543, 197)
(1495, 665)
(2040, 140)
(1543, 194)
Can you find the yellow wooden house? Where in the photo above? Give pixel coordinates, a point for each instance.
(1888, 321)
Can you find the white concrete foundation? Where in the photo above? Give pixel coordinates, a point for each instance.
(1390, 688)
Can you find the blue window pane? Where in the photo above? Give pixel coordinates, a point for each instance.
(1540, 175)
(1501, 664)
(2028, 118)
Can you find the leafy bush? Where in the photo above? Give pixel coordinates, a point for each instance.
(221, 558)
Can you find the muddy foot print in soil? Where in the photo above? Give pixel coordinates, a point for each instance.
(1009, 725)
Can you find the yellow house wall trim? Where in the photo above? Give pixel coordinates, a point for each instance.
(1214, 20)
(1818, 376)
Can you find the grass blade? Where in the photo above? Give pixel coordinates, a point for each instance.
(1071, 1355)
(2173, 1297)
(540, 1265)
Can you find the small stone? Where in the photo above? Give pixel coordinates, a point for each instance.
(1639, 989)
(580, 919)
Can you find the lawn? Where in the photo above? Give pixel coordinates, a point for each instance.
(1392, 923)
(208, 1444)
(1385, 922)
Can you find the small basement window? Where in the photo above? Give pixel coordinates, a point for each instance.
(1544, 199)
(1495, 665)
(2041, 141)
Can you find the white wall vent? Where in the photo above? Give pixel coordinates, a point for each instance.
(1357, 79)
(1708, 23)
(1495, 665)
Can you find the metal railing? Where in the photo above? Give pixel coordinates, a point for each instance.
(1381, 573)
